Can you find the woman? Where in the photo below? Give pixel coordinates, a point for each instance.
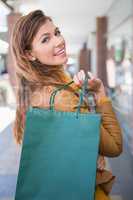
(39, 51)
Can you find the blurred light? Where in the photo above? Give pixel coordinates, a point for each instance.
(3, 28)
(7, 116)
(71, 61)
(3, 47)
(126, 63)
(111, 73)
(3, 9)
(25, 8)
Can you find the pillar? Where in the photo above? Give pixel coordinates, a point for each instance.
(101, 46)
(11, 19)
(85, 58)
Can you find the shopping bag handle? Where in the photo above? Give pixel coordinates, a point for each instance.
(83, 92)
(52, 97)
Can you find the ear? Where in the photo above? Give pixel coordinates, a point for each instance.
(30, 55)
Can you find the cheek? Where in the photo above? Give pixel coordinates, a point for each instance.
(44, 53)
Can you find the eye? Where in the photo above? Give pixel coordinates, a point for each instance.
(46, 39)
(58, 32)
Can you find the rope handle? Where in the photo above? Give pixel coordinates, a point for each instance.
(52, 97)
(83, 92)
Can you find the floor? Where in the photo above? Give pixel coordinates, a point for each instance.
(121, 166)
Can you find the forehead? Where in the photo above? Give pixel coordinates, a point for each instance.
(47, 27)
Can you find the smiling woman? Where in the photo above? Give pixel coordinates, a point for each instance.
(39, 50)
(48, 46)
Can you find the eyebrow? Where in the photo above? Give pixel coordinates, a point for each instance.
(57, 28)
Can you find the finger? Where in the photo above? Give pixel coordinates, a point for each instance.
(101, 163)
(80, 78)
(91, 83)
(90, 75)
(94, 84)
(79, 75)
(95, 97)
(101, 166)
(83, 74)
(76, 80)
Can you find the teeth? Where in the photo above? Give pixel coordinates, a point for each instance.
(60, 52)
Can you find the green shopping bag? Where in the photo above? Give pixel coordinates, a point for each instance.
(59, 154)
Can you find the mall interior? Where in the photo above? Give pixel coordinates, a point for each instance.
(99, 39)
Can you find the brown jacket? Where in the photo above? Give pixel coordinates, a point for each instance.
(110, 138)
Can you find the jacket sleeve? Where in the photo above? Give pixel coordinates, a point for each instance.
(111, 134)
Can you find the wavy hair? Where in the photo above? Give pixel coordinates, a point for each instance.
(30, 74)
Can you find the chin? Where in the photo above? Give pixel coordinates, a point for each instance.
(62, 61)
(65, 60)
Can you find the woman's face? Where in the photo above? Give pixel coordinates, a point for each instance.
(48, 45)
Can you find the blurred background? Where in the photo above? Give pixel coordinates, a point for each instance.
(99, 38)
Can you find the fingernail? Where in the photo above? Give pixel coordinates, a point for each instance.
(90, 74)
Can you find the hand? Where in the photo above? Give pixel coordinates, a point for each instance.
(94, 84)
(101, 163)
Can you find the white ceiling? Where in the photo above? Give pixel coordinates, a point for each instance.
(76, 18)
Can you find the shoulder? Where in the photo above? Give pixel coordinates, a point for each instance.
(41, 97)
(65, 100)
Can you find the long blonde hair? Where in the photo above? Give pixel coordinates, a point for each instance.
(30, 74)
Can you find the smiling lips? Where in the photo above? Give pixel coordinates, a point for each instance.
(60, 52)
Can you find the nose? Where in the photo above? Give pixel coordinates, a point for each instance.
(59, 42)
